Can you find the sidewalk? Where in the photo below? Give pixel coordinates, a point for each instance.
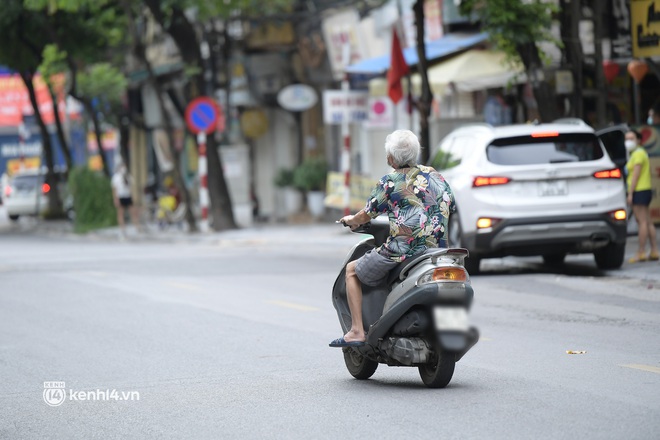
(261, 234)
(318, 232)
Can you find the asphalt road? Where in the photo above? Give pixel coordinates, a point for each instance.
(225, 336)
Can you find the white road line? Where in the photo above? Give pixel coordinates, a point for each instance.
(642, 367)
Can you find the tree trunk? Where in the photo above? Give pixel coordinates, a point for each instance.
(185, 37)
(54, 201)
(64, 145)
(97, 133)
(599, 73)
(543, 92)
(570, 18)
(426, 99)
(140, 51)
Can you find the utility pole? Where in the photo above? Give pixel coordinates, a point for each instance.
(599, 74)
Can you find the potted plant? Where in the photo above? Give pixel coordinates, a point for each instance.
(311, 177)
(292, 197)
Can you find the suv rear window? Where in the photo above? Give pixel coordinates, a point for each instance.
(528, 150)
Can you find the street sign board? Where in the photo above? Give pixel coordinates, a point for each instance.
(297, 97)
(339, 104)
(204, 115)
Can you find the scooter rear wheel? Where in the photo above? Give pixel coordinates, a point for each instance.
(439, 374)
(359, 366)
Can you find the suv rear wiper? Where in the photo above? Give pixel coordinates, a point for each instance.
(562, 160)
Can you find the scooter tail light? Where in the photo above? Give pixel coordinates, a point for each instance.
(8, 191)
(443, 274)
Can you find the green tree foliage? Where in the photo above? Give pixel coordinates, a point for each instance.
(92, 200)
(516, 27)
(513, 23)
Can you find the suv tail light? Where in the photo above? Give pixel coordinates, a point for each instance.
(489, 181)
(608, 174)
(8, 191)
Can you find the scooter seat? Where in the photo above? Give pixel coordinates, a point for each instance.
(395, 274)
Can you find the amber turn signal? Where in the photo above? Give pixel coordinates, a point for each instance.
(449, 274)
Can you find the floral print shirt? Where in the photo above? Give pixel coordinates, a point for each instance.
(417, 201)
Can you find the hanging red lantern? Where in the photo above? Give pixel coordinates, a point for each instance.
(611, 70)
(637, 69)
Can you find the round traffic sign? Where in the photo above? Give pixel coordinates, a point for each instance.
(203, 115)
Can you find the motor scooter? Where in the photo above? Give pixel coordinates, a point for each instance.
(417, 318)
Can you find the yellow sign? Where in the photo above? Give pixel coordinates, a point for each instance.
(645, 28)
(254, 123)
(28, 163)
(361, 188)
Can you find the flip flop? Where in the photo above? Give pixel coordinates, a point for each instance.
(340, 342)
(639, 258)
(654, 257)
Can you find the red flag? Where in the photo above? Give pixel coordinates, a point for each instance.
(398, 69)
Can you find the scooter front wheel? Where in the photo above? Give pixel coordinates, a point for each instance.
(438, 374)
(359, 366)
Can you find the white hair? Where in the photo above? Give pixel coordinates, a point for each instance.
(403, 146)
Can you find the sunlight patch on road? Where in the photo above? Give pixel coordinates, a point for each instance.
(294, 306)
(642, 367)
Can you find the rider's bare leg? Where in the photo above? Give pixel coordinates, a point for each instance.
(354, 293)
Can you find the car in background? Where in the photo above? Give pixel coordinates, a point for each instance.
(26, 194)
(535, 190)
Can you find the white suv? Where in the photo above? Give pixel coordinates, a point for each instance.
(527, 190)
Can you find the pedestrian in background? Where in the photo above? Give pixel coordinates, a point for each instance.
(121, 192)
(639, 196)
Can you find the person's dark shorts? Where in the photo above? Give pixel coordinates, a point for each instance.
(125, 202)
(373, 268)
(642, 197)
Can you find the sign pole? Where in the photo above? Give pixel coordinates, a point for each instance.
(346, 133)
(203, 182)
(203, 116)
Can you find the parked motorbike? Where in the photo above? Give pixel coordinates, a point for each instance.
(417, 318)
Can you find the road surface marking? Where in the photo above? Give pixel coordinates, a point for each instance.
(289, 305)
(643, 367)
(184, 286)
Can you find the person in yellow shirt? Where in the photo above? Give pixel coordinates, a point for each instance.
(639, 196)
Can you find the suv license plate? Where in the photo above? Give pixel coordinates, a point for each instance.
(553, 188)
(450, 318)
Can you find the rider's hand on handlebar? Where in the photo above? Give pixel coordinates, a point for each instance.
(347, 221)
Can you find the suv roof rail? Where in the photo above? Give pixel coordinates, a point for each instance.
(571, 121)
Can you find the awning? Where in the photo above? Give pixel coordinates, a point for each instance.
(469, 71)
(447, 45)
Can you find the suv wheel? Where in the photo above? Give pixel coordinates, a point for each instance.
(611, 256)
(455, 240)
(13, 217)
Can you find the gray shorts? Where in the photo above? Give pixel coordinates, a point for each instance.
(373, 268)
